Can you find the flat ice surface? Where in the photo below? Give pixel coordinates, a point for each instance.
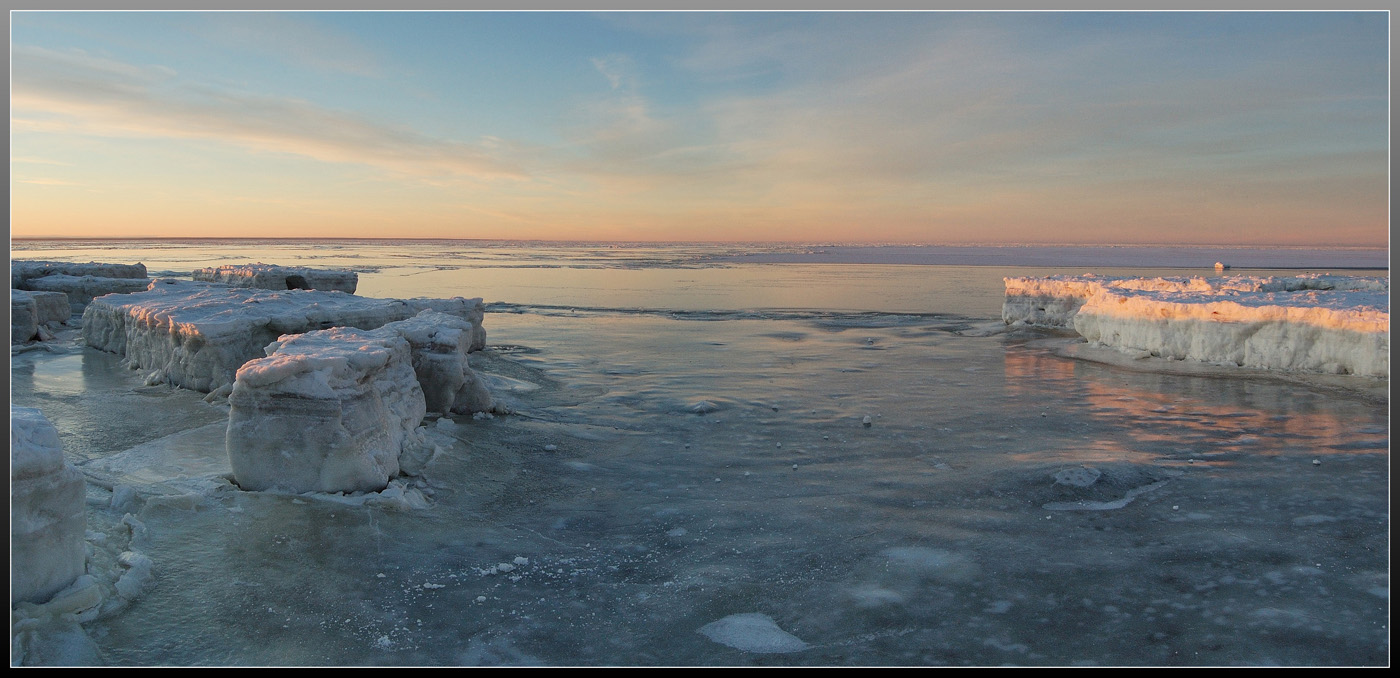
(273, 277)
(606, 522)
(1309, 323)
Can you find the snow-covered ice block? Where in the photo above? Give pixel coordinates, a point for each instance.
(1310, 323)
(273, 277)
(196, 335)
(472, 310)
(47, 504)
(325, 411)
(440, 343)
(81, 290)
(31, 310)
(21, 270)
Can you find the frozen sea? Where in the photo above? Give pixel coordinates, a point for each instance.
(687, 478)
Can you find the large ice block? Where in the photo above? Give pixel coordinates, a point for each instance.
(47, 504)
(22, 270)
(30, 311)
(273, 277)
(325, 411)
(81, 290)
(1310, 323)
(196, 335)
(439, 343)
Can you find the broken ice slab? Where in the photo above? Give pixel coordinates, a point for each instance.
(1309, 323)
(81, 290)
(30, 311)
(273, 277)
(22, 271)
(439, 344)
(196, 335)
(47, 504)
(325, 411)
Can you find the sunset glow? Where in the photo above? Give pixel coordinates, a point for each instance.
(929, 127)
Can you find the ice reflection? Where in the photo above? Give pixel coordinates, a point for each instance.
(1179, 419)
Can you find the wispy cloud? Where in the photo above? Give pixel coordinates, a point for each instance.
(78, 91)
(48, 182)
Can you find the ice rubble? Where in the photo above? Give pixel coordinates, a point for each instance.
(33, 313)
(273, 277)
(1309, 323)
(325, 411)
(47, 504)
(196, 335)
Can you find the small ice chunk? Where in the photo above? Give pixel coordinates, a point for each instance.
(752, 632)
(703, 407)
(1083, 476)
(866, 422)
(521, 560)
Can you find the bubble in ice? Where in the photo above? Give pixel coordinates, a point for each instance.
(752, 632)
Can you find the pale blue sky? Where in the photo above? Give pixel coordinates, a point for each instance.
(1210, 128)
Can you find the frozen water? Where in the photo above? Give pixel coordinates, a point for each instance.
(1312, 323)
(196, 335)
(82, 290)
(47, 518)
(272, 277)
(922, 540)
(23, 271)
(30, 311)
(752, 632)
(325, 411)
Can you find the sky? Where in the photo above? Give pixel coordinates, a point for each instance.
(1231, 128)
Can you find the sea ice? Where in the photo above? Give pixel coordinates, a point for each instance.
(1310, 323)
(439, 344)
(81, 290)
(23, 271)
(273, 277)
(196, 335)
(325, 411)
(752, 632)
(30, 311)
(47, 510)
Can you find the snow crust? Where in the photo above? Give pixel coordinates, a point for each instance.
(47, 519)
(196, 335)
(1310, 323)
(273, 277)
(29, 311)
(325, 411)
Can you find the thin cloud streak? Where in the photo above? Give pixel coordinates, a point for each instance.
(90, 94)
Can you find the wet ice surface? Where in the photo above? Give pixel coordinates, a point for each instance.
(611, 520)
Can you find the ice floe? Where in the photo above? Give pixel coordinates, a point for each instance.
(1310, 323)
(273, 277)
(196, 335)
